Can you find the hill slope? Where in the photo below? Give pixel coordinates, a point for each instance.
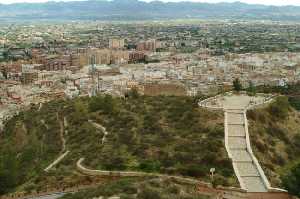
(275, 136)
(170, 135)
(143, 189)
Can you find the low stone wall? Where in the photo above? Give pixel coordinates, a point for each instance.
(60, 158)
(265, 103)
(92, 172)
(203, 103)
(202, 187)
(255, 161)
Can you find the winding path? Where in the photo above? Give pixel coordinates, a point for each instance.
(50, 196)
(92, 172)
(100, 128)
(64, 153)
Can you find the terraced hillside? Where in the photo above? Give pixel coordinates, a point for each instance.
(169, 135)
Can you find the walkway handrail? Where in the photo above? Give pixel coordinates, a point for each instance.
(255, 161)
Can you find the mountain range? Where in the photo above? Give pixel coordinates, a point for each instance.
(140, 10)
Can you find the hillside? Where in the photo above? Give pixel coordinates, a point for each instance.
(169, 135)
(142, 189)
(140, 10)
(275, 136)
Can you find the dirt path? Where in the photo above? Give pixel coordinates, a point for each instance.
(61, 133)
(63, 152)
(100, 128)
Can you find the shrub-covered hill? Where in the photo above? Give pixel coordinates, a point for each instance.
(170, 135)
(153, 188)
(275, 138)
(292, 91)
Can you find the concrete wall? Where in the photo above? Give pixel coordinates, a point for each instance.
(255, 161)
(92, 172)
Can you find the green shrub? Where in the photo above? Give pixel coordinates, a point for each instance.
(291, 180)
(8, 173)
(251, 90)
(150, 166)
(237, 86)
(295, 102)
(148, 193)
(151, 134)
(280, 108)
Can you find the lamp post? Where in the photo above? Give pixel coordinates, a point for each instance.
(212, 172)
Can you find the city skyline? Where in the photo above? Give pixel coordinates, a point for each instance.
(265, 2)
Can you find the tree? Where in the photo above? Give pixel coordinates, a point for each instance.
(291, 180)
(8, 173)
(109, 104)
(6, 55)
(251, 90)
(133, 93)
(105, 103)
(280, 108)
(80, 114)
(237, 85)
(96, 103)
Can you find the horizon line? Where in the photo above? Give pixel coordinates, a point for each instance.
(149, 1)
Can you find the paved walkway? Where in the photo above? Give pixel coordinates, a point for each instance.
(248, 171)
(235, 107)
(101, 129)
(51, 196)
(246, 166)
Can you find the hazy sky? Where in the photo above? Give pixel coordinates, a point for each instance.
(267, 2)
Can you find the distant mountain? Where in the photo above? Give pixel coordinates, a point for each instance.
(139, 10)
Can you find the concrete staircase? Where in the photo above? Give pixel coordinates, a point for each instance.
(244, 164)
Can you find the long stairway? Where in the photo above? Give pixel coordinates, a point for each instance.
(248, 172)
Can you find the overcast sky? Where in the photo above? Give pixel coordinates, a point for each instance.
(267, 2)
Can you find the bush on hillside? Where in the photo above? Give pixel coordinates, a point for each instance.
(291, 180)
(295, 102)
(275, 137)
(8, 173)
(104, 103)
(152, 134)
(133, 93)
(251, 90)
(280, 108)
